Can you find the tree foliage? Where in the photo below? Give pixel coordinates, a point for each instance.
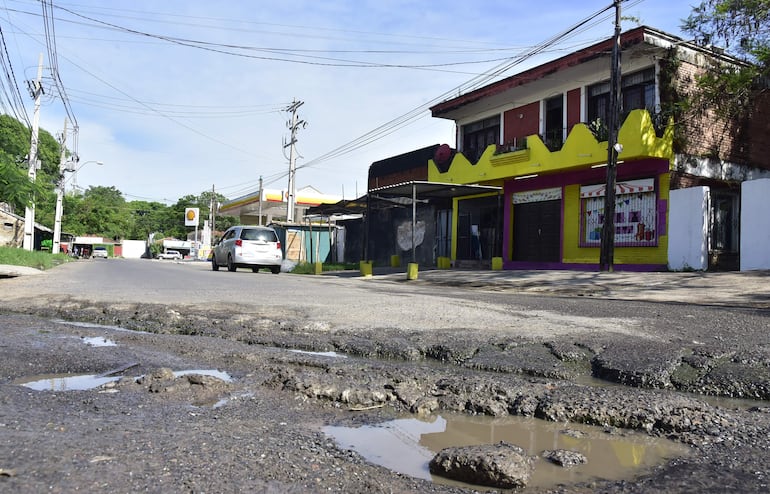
(15, 186)
(98, 211)
(742, 28)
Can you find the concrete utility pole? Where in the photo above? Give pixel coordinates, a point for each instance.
(60, 192)
(607, 249)
(293, 125)
(36, 90)
(260, 200)
(212, 214)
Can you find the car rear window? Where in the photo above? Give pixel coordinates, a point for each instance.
(264, 235)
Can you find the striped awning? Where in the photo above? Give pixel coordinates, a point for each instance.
(627, 187)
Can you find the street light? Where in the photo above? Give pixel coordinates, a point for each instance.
(68, 166)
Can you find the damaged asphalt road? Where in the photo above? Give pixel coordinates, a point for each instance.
(637, 366)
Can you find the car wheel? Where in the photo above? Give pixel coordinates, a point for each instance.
(255, 270)
(214, 265)
(230, 265)
(275, 269)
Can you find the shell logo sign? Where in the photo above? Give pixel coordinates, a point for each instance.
(191, 216)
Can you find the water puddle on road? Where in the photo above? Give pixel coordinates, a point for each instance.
(407, 446)
(92, 325)
(83, 382)
(65, 382)
(97, 341)
(320, 354)
(224, 376)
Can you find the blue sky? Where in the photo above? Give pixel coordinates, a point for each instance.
(168, 119)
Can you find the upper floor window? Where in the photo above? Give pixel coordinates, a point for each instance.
(478, 135)
(554, 122)
(637, 92)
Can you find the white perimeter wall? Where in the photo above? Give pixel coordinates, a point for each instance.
(134, 249)
(755, 224)
(688, 229)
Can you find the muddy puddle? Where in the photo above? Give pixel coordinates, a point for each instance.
(407, 446)
(83, 382)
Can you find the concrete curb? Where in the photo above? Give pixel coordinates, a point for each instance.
(10, 271)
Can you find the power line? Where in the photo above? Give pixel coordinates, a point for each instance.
(476, 82)
(11, 91)
(53, 59)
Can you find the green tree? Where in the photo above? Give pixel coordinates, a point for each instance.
(101, 211)
(742, 27)
(146, 218)
(15, 187)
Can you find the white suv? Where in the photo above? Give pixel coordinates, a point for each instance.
(170, 254)
(252, 247)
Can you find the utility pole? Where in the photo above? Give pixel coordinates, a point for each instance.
(607, 249)
(260, 200)
(36, 90)
(212, 215)
(60, 192)
(293, 125)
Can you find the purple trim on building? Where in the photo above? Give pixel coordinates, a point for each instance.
(662, 210)
(629, 170)
(535, 266)
(561, 226)
(626, 171)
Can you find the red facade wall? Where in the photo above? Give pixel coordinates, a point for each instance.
(758, 132)
(573, 108)
(521, 122)
(703, 133)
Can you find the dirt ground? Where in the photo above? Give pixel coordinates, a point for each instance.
(154, 431)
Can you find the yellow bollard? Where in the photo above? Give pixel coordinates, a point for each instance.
(318, 268)
(395, 261)
(497, 263)
(411, 271)
(444, 262)
(366, 268)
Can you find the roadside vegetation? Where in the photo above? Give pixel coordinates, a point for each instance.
(35, 259)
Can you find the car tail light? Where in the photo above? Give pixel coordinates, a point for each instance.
(278, 245)
(238, 242)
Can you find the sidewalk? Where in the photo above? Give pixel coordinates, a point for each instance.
(730, 289)
(11, 271)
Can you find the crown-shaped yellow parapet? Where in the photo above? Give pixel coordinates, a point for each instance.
(580, 150)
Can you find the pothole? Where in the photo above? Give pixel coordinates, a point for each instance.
(65, 382)
(92, 325)
(320, 354)
(82, 382)
(407, 446)
(222, 375)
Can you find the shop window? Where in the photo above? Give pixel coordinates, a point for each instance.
(636, 215)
